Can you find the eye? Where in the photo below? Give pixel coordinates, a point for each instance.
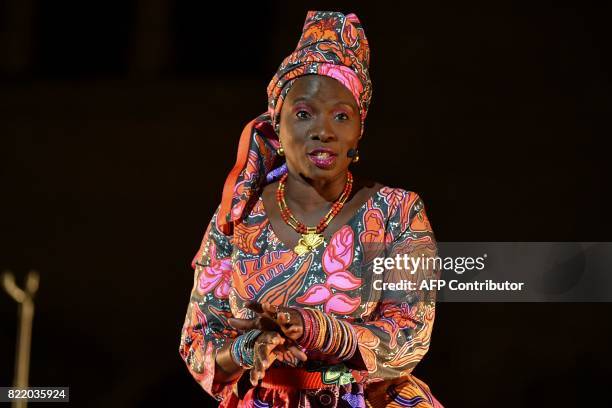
(342, 116)
(302, 114)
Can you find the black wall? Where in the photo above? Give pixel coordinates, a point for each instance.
(119, 122)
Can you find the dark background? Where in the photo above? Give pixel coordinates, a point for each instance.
(119, 122)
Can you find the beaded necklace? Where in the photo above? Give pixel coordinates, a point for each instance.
(311, 236)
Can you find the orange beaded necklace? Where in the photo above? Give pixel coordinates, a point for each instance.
(311, 236)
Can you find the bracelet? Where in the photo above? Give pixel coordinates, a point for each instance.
(311, 329)
(353, 339)
(327, 334)
(336, 327)
(323, 330)
(241, 349)
(348, 344)
(307, 329)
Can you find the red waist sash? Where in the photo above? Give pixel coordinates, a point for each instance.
(281, 377)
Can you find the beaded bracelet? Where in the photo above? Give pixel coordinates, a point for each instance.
(308, 327)
(242, 349)
(328, 334)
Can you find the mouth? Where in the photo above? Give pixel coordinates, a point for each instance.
(322, 158)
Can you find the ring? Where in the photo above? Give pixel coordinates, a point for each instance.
(275, 313)
(287, 316)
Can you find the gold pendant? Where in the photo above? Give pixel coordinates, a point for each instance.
(308, 242)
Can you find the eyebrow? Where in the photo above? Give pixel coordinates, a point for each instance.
(307, 99)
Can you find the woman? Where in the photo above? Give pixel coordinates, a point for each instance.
(285, 310)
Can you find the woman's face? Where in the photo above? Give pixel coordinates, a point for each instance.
(319, 123)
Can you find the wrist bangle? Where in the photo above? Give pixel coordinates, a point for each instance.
(329, 336)
(242, 349)
(322, 329)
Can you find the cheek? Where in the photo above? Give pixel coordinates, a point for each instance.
(351, 136)
(293, 144)
(292, 134)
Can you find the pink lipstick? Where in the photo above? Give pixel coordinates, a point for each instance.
(322, 157)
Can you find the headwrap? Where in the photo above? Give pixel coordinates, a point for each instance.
(332, 45)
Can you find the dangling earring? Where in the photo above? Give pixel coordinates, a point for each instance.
(280, 151)
(356, 158)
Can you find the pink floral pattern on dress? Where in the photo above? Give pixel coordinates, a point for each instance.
(337, 258)
(216, 276)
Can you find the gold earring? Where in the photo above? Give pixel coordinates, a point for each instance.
(280, 151)
(356, 158)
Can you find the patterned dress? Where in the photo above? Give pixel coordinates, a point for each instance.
(393, 327)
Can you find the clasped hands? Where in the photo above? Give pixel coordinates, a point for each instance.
(281, 327)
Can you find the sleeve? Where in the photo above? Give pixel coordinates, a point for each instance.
(206, 328)
(397, 334)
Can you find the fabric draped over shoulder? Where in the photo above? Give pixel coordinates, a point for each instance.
(256, 157)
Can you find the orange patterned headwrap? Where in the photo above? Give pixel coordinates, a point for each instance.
(333, 45)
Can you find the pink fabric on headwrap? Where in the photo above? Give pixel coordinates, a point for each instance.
(333, 45)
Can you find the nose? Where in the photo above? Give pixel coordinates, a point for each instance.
(323, 131)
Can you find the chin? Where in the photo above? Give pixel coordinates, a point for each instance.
(317, 173)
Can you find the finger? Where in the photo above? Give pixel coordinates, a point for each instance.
(299, 354)
(258, 370)
(254, 306)
(258, 364)
(263, 355)
(254, 377)
(274, 339)
(270, 310)
(264, 349)
(267, 324)
(279, 352)
(278, 355)
(293, 332)
(243, 324)
(283, 318)
(262, 363)
(268, 354)
(290, 317)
